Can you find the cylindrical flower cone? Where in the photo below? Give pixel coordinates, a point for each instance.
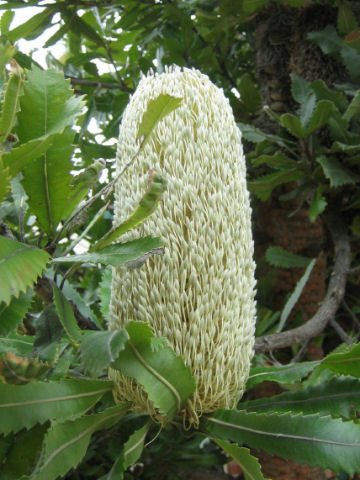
(200, 293)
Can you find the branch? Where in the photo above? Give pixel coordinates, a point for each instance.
(334, 296)
(94, 83)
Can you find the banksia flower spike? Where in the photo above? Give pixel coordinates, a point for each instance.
(200, 293)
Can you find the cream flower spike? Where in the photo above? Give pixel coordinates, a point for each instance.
(200, 293)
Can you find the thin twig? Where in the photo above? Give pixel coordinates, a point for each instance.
(351, 314)
(106, 85)
(341, 332)
(331, 303)
(298, 357)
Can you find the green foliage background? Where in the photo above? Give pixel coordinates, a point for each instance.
(300, 119)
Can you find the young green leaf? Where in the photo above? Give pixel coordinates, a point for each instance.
(314, 439)
(147, 205)
(134, 446)
(156, 110)
(338, 396)
(67, 317)
(164, 376)
(346, 363)
(278, 257)
(13, 314)
(66, 443)
(117, 254)
(294, 297)
(23, 406)
(11, 103)
(20, 265)
(317, 206)
(107, 346)
(335, 172)
(285, 374)
(250, 465)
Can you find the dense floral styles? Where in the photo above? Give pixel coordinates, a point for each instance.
(200, 293)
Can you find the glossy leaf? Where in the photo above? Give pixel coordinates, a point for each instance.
(12, 315)
(294, 297)
(285, 374)
(66, 443)
(117, 254)
(250, 465)
(163, 375)
(278, 257)
(338, 396)
(23, 406)
(337, 174)
(314, 439)
(107, 346)
(67, 317)
(20, 265)
(147, 206)
(156, 110)
(346, 363)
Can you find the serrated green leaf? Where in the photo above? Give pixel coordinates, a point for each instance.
(156, 110)
(293, 124)
(118, 254)
(67, 317)
(20, 265)
(163, 375)
(277, 160)
(250, 465)
(323, 110)
(11, 315)
(278, 257)
(256, 135)
(134, 446)
(49, 102)
(15, 370)
(323, 92)
(285, 374)
(26, 153)
(22, 406)
(346, 20)
(346, 363)
(107, 346)
(312, 439)
(19, 344)
(66, 443)
(327, 39)
(299, 88)
(338, 396)
(318, 205)
(335, 172)
(27, 30)
(105, 292)
(263, 186)
(5, 21)
(78, 25)
(11, 103)
(23, 454)
(294, 297)
(147, 206)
